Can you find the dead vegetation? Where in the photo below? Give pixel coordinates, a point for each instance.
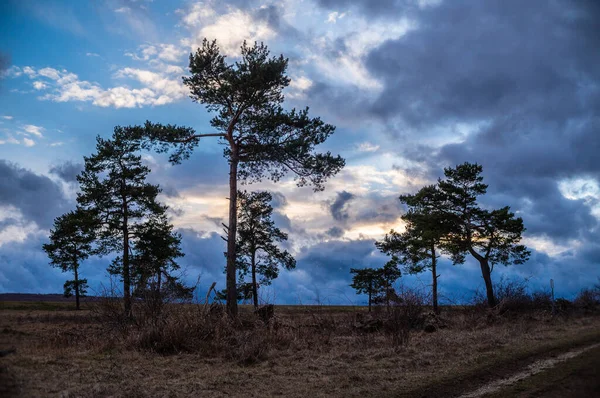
(191, 350)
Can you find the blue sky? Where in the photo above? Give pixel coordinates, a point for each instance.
(413, 86)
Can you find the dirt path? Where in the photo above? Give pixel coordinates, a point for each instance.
(531, 370)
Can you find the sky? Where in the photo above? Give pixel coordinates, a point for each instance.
(413, 86)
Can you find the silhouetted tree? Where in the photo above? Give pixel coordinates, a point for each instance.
(491, 237)
(376, 282)
(113, 186)
(386, 276)
(71, 242)
(425, 236)
(262, 140)
(365, 281)
(257, 250)
(156, 247)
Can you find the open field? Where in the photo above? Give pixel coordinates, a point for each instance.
(305, 351)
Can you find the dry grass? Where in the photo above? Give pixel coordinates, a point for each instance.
(305, 352)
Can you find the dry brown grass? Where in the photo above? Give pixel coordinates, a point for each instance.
(305, 352)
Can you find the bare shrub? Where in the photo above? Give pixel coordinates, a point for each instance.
(406, 314)
(588, 299)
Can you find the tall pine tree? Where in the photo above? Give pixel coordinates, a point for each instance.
(261, 139)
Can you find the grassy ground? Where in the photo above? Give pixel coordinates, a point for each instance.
(315, 351)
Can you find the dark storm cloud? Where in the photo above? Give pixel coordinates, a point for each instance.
(323, 272)
(339, 208)
(68, 171)
(475, 60)
(37, 197)
(527, 85)
(24, 268)
(333, 259)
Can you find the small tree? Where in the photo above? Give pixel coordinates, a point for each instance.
(71, 242)
(376, 282)
(418, 247)
(113, 186)
(257, 250)
(491, 237)
(365, 281)
(156, 248)
(387, 276)
(261, 138)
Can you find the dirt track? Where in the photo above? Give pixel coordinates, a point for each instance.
(531, 370)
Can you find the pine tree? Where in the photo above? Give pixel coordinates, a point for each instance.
(257, 250)
(376, 282)
(113, 186)
(490, 236)
(262, 140)
(71, 242)
(425, 237)
(156, 247)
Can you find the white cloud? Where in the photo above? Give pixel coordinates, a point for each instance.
(92, 54)
(170, 52)
(156, 88)
(123, 9)
(59, 143)
(13, 71)
(18, 231)
(28, 142)
(334, 16)
(229, 29)
(39, 85)
(158, 53)
(28, 70)
(298, 86)
(9, 140)
(50, 73)
(7, 117)
(171, 88)
(367, 147)
(145, 52)
(32, 129)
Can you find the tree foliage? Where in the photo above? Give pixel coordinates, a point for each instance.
(377, 283)
(261, 139)
(71, 242)
(418, 247)
(131, 222)
(257, 251)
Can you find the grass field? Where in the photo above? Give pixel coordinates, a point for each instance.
(307, 351)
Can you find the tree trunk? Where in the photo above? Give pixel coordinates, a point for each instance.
(126, 277)
(232, 307)
(76, 288)
(434, 290)
(254, 286)
(487, 277)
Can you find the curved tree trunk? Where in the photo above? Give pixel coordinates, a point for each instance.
(232, 307)
(487, 277)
